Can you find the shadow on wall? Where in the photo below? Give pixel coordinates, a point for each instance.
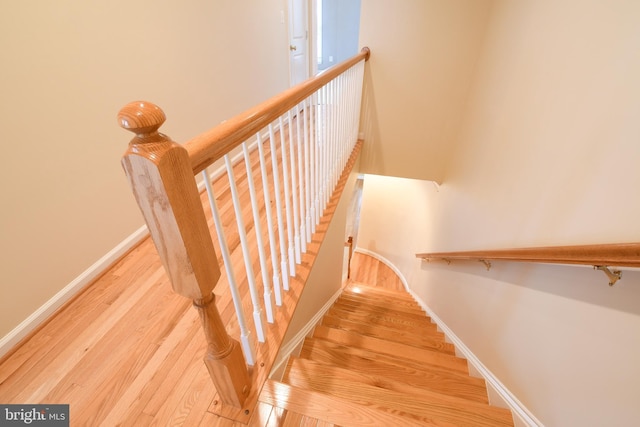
(371, 158)
(581, 283)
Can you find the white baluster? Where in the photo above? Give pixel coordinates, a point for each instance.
(307, 169)
(314, 160)
(348, 102)
(267, 294)
(340, 126)
(294, 184)
(338, 132)
(324, 148)
(276, 188)
(360, 84)
(346, 121)
(287, 197)
(245, 335)
(272, 235)
(300, 199)
(244, 244)
(339, 112)
(332, 139)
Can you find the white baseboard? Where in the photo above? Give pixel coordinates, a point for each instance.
(522, 416)
(65, 294)
(290, 346)
(69, 291)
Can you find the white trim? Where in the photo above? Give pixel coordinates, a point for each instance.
(516, 407)
(290, 346)
(519, 411)
(65, 294)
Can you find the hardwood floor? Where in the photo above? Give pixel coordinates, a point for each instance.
(368, 270)
(128, 351)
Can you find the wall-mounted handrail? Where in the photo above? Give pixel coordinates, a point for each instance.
(600, 256)
(211, 145)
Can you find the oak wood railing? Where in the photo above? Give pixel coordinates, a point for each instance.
(310, 132)
(600, 256)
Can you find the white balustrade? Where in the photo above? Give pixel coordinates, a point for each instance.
(316, 138)
(244, 244)
(279, 215)
(294, 184)
(246, 342)
(270, 224)
(255, 209)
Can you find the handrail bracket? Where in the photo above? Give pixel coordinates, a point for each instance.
(487, 263)
(613, 276)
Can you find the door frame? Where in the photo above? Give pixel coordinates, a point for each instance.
(309, 17)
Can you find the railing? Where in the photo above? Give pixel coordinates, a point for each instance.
(601, 257)
(289, 153)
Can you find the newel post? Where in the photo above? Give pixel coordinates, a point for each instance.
(162, 181)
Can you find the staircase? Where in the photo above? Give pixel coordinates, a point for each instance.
(376, 359)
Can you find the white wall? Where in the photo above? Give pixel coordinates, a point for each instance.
(424, 53)
(547, 155)
(67, 68)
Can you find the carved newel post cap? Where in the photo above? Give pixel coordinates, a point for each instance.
(141, 117)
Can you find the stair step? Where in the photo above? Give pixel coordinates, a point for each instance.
(419, 338)
(385, 377)
(374, 292)
(379, 311)
(378, 345)
(427, 405)
(330, 408)
(408, 302)
(327, 351)
(390, 306)
(390, 320)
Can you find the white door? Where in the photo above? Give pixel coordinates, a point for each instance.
(298, 42)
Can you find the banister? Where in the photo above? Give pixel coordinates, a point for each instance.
(211, 145)
(161, 174)
(600, 256)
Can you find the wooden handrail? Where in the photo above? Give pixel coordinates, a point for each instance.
(617, 254)
(161, 174)
(211, 145)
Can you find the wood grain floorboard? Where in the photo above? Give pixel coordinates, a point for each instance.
(128, 351)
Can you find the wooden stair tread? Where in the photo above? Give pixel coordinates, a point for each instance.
(378, 345)
(408, 324)
(427, 404)
(388, 380)
(362, 303)
(423, 339)
(377, 292)
(387, 303)
(382, 311)
(433, 358)
(330, 408)
(357, 358)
